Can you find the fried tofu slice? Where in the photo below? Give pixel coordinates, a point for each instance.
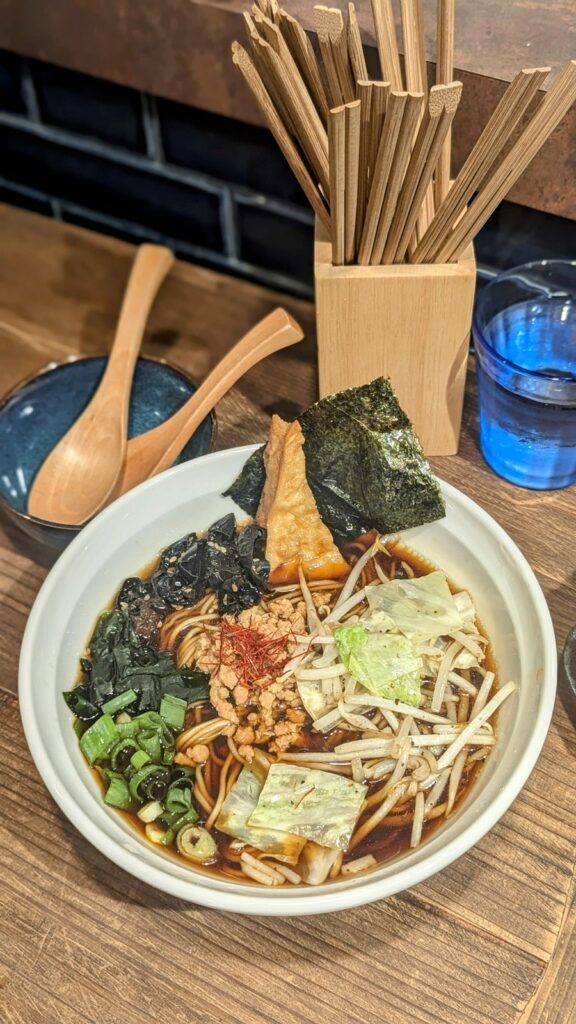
(296, 536)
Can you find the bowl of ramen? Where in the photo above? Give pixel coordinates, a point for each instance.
(294, 678)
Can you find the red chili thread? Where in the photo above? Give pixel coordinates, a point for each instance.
(255, 657)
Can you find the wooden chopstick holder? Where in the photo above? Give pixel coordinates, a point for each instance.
(541, 124)
(381, 172)
(410, 118)
(337, 150)
(280, 133)
(383, 15)
(484, 154)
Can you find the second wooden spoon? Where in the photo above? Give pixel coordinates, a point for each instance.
(156, 450)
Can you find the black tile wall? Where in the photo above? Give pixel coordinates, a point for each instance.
(27, 202)
(218, 191)
(516, 235)
(80, 103)
(10, 88)
(282, 244)
(170, 207)
(224, 148)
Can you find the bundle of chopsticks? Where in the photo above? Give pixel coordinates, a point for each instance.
(373, 157)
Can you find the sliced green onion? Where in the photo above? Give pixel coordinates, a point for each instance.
(98, 738)
(122, 700)
(139, 759)
(149, 741)
(149, 781)
(79, 726)
(123, 718)
(127, 728)
(182, 771)
(179, 797)
(175, 823)
(173, 711)
(197, 844)
(168, 757)
(150, 811)
(122, 752)
(118, 794)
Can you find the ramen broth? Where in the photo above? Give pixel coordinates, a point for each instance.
(387, 841)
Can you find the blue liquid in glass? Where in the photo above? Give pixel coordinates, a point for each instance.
(529, 441)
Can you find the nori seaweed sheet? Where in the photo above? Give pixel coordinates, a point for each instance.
(364, 464)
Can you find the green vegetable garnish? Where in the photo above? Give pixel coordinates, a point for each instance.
(139, 759)
(423, 608)
(384, 663)
(98, 739)
(179, 797)
(120, 662)
(118, 794)
(118, 703)
(173, 711)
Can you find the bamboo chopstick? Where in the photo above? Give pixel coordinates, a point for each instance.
(303, 53)
(280, 133)
(333, 43)
(352, 171)
(355, 48)
(550, 112)
(301, 110)
(414, 53)
(381, 172)
(269, 81)
(484, 154)
(364, 92)
(416, 77)
(337, 150)
(410, 118)
(442, 105)
(380, 94)
(383, 15)
(444, 74)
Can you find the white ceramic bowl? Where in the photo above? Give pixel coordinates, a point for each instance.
(475, 552)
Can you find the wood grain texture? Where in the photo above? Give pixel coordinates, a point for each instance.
(411, 324)
(83, 942)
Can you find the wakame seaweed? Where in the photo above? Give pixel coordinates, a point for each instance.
(119, 661)
(364, 464)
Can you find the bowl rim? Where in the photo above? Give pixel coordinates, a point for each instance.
(258, 902)
(51, 367)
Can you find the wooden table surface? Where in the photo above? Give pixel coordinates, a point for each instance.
(490, 939)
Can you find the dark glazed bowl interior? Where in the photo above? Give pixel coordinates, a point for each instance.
(36, 414)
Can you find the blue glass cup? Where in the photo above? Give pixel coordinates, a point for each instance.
(525, 341)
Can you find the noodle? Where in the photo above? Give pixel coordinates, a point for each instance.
(413, 761)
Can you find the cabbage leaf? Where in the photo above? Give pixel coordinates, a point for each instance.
(317, 805)
(421, 608)
(233, 821)
(384, 663)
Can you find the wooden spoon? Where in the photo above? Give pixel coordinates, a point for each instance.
(80, 473)
(156, 450)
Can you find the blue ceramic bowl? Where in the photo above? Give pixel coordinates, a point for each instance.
(37, 413)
